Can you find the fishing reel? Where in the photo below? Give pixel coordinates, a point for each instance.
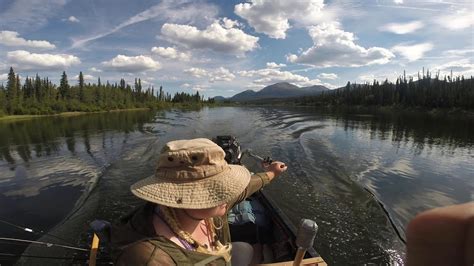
(231, 147)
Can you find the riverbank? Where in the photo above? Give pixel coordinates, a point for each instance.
(13, 118)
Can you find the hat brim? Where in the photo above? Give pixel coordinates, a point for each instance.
(194, 194)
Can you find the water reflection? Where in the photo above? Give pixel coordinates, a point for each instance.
(44, 135)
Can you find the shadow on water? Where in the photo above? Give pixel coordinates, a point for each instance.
(409, 162)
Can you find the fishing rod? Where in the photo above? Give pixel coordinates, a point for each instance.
(47, 244)
(32, 231)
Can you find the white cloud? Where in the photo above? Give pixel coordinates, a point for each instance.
(85, 76)
(168, 10)
(402, 28)
(273, 17)
(219, 74)
(11, 38)
(196, 72)
(131, 63)
(459, 52)
(459, 67)
(29, 14)
(275, 65)
(4, 77)
(268, 76)
(335, 47)
(25, 60)
(215, 37)
(73, 19)
(327, 76)
(94, 69)
(413, 52)
(398, 2)
(460, 20)
(171, 53)
(229, 23)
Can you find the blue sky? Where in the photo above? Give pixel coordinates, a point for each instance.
(225, 47)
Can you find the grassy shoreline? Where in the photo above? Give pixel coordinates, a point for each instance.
(65, 114)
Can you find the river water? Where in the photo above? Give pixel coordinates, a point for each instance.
(360, 177)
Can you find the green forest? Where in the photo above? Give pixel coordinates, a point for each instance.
(38, 96)
(426, 92)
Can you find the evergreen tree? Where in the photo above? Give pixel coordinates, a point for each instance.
(81, 87)
(64, 86)
(12, 92)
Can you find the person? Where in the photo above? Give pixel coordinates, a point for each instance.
(442, 236)
(184, 221)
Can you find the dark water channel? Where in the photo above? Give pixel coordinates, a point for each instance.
(59, 173)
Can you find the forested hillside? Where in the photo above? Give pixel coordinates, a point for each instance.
(36, 95)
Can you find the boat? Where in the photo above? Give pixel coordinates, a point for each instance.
(273, 235)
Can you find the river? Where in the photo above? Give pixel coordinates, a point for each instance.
(59, 173)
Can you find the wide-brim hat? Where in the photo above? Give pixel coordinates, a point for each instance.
(192, 174)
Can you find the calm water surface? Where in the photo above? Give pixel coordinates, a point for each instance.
(59, 173)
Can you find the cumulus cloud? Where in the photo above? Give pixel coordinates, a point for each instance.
(219, 74)
(275, 65)
(272, 17)
(413, 52)
(85, 76)
(131, 64)
(402, 28)
(167, 10)
(327, 76)
(196, 72)
(335, 47)
(11, 38)
(171, 53)
(25, 60)
(195, 87)
(215, 37)
(94, 69)
(73, 19)
(398, 2)
(461, 19)
(267, 76)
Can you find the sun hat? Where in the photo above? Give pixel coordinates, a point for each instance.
(192, 174)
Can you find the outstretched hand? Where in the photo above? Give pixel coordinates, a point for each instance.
(274, 169)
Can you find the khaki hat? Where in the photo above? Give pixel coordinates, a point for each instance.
(192, 174)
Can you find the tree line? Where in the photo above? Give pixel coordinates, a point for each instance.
(425, 92)
(38, 95)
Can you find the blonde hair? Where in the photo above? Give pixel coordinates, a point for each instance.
(169, 214)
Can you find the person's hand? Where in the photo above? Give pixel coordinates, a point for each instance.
(442, 236)
(274, 169)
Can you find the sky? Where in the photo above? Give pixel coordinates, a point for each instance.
(226, 47)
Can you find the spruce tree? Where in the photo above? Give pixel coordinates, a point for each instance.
(64, 86)
(81, 87)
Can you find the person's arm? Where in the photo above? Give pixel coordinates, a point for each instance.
(442, 236)
(259, 180)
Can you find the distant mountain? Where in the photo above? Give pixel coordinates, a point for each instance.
(278, 90)
(219, 99)
(247, 95)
